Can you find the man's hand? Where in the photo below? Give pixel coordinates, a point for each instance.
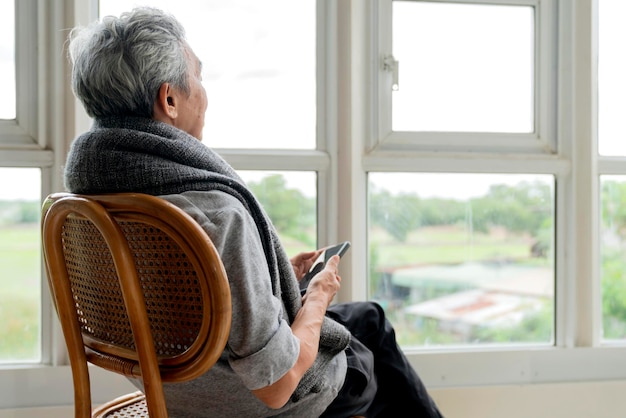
(325, 284)
(303, 262)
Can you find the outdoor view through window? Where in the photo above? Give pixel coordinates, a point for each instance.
(258, 68)
(451, 267)
(611, 143)
(20, 265)
(7, 59)
(455, 75)
(456, 259)
(20, 261)
(463, 258)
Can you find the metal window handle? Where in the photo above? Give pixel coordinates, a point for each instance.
(391, 64)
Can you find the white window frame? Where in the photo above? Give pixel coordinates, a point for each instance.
(59, 118)
(22, 133)
(350, 146)
(541, 140)
(567, 146)
(39, 137)
(320, 160)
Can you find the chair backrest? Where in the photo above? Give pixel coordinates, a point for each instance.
(139, 289)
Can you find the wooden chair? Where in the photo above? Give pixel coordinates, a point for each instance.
(139, 289)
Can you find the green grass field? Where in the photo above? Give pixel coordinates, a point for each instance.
(20, 293)
(447, 245)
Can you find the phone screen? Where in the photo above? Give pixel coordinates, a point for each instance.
(339, 249)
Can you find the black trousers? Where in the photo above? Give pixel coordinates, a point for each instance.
(380, 382)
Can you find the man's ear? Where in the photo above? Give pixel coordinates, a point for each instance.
(165, 104)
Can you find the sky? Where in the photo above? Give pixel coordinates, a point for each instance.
(20, 183)
(7, 62)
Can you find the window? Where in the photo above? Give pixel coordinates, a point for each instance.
(259, 71)
(289, 198)
(612, 86)
(463, 67)
(23, 159)
(258, 68)
(7, 59)
(463, 259)
(270, 87)
(366, 144)
(464, 255)
(613, 195)
(612, 168)
(466, 76)
(20, 283)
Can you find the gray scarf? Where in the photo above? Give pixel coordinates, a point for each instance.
(128, 154)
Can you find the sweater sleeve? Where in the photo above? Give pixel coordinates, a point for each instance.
(261, 347)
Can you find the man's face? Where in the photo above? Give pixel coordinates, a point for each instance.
(192, 108)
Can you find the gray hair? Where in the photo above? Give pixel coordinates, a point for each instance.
(119, 64)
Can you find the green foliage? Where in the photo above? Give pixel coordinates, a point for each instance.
(613, 205)
(412, 331)
(375, 277)
(520, 208)
(537, 327)
(523, 208)
(397, 214)
(507, 223)
(614, 294)
(292, 213)
(400, 215)
(18, 212)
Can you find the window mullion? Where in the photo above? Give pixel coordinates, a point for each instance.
(583, 208)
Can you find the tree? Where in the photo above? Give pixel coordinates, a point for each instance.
(292, 213)
(525, 207)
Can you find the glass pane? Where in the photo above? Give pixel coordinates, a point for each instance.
(20, 265)
(259, 68)
(290, 200)
(611, 81)
(613, 263)
(7, 58)
(463, 67)
(463, 259)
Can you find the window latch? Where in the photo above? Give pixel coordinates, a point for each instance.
(390, 64)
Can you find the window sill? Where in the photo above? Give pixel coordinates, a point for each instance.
(43, 386)
(519, 366)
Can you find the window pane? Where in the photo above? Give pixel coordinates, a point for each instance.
(290, 200)
(463, 259)
(463, 67)
(259, 68)
(7, 59)
(613, 263)
(20, 265)
(611, 81)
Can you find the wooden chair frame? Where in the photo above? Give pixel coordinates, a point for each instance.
(111, 214)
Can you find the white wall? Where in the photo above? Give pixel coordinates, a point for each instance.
(570, 400)
(52, 412)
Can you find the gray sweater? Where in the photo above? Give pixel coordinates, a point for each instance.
(261, 346)
(141, 155)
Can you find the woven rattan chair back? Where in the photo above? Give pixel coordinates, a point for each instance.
(139, 289)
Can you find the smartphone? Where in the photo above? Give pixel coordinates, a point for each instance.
(339, 249)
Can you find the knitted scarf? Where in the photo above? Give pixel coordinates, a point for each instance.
(128, 154)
